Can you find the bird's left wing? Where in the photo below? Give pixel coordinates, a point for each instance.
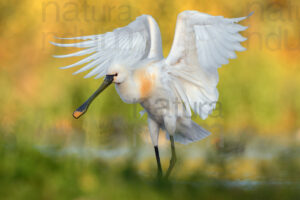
(202, 43)
(139, 40)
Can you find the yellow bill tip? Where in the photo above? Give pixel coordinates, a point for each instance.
(77, 114)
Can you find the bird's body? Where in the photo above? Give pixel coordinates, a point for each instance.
(141, 82)
(167, 88)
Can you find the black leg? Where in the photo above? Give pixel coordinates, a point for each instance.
(159, 169)
(173, 158)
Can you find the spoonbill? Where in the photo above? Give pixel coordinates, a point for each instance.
(170, 88)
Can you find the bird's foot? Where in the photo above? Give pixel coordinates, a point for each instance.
(171, 166)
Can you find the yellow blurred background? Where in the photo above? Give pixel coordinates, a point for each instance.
(259, 91)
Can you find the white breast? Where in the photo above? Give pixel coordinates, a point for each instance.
(140, 84)
(128, 91)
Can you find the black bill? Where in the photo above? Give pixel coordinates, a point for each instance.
(83, 108)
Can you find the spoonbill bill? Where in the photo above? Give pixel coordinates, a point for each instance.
(170, 88)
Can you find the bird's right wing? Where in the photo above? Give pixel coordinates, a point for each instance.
(202, 43)
(139, 40)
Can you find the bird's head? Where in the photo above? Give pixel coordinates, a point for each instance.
(119, 73)
(116, 73)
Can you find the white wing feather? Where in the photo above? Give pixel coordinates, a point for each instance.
(139, 40)
(202, 43)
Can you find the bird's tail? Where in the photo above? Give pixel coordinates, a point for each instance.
(189, 132)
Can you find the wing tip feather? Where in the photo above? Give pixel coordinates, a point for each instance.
(89, 75)
(59, 44)
(250, 14)
(58, 56)
(53, 43)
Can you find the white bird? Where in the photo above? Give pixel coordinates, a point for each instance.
(169, 89)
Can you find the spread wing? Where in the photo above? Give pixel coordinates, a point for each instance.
(201, 45)
(139, 40)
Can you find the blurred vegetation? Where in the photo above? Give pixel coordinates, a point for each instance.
(26, 173)
(256, 127)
